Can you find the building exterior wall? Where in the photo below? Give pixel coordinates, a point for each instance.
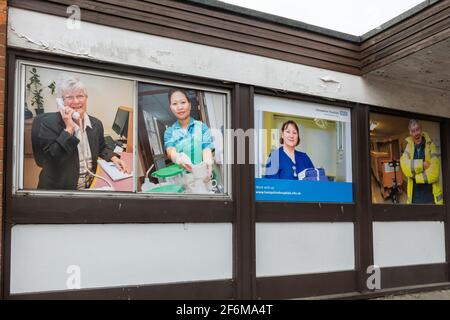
(93, 41)
(300, 240)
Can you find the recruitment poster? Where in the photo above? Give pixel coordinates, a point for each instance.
(77, 130)
(405, 160)
(303, 151)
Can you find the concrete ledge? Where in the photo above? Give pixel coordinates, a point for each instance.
(383, 292)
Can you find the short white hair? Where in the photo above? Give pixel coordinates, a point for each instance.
(412, 123)
(69, 84)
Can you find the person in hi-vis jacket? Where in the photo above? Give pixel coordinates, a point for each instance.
(421, 164)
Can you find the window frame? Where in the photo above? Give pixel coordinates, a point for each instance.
(32, 206)
(413, 212)
(18, 136)
(278, 211)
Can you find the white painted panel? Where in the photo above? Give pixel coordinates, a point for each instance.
(115, 45)
(118, 255)
(408, 243)
(302, 108)
(301, 248)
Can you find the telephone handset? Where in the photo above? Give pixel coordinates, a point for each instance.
(60, 104)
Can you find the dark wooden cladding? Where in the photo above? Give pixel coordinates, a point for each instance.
(388, 212)
(297, 32)
(233, 28)
(244, 247)
(445, 34)
(116, 210)
(405, 114)
(363, 227)
(5, 238)
(393, 47)
(426, 24)
(393, 277)
(427, 13)
(201, 24)
(445, 154)
(304, 212)
(307, 285)
(202, 290)
(157, 19)
(245, 21)
(426, 28)
(6, 259)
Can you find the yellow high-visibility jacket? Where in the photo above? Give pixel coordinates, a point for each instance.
(414, 171)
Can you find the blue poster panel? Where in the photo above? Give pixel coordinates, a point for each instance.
(302, 151)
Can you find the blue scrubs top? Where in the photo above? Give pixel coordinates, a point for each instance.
(192, 140)
(280, 166)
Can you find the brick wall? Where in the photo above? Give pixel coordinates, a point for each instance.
(3, 15)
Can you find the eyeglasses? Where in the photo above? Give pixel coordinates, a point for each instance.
(72, 98)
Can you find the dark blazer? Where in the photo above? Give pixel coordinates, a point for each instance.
(59, 151)
(280, 165)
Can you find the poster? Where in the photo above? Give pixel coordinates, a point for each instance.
(181, 140)
(74, 138)
(405, 160)
(302, 151)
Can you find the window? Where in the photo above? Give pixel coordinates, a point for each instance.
(303, 151)
(405, 160)
(89, 132)
(181, 140)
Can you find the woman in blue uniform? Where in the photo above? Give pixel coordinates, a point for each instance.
(286, 162)
(187, 142)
